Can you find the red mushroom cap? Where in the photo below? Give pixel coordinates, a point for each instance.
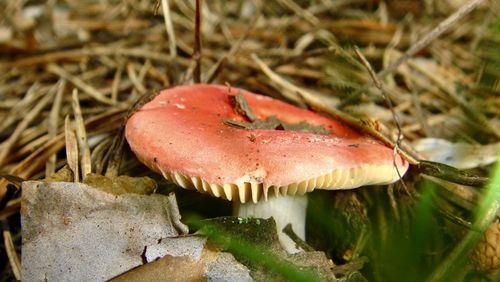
(181, 133)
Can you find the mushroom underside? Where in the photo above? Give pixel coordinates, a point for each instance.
(287, 204)
(337, 179)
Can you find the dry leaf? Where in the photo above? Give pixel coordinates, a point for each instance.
(72, 232)
(190, 258)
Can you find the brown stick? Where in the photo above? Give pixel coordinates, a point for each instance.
(451, 174)
(388, 101)
(197, 43)
(380, 87)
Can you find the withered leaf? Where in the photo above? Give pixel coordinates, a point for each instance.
(304, 126)
(122, 184)
(273, 123)
(241, 106)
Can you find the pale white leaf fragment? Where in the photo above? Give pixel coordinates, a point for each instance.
(459, 155)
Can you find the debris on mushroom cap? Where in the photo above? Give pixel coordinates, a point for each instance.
(181, 133)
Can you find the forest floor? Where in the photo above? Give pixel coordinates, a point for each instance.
(421, 76)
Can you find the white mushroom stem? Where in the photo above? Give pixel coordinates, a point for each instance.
(284, 210)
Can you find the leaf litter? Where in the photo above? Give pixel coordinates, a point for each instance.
(112, 52)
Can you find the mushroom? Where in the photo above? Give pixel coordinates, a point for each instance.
(195, 137)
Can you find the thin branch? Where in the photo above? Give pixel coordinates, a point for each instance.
(197, 43)
(451, 174)
(388, 101)
(380, 87)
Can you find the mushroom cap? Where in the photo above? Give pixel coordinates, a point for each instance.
(181, 134)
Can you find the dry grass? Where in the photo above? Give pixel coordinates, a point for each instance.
(110, 53)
